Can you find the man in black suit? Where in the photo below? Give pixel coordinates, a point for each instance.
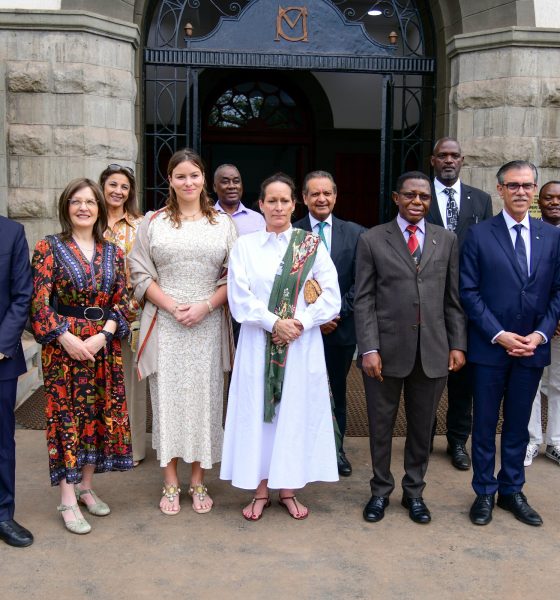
(456, 207)
(339, 336)
(16, 287)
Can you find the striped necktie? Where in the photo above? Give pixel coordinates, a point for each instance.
(413, 243)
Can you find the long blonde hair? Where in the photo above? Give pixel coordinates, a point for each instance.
(172, 204)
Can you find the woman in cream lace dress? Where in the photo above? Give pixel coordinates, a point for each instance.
(178, 265)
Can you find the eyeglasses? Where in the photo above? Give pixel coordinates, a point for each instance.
(117, 167)
(77, 203)
(512, 186)
(412, 195)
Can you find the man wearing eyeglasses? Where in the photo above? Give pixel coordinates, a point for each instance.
(510, 290)
(411, 332)
(456, 206)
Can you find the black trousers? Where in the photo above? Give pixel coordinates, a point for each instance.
(421, 397)
(339, 360)
(460, 402)
(7, 448)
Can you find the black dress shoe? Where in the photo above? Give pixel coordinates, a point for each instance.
(344, 466)
(517, 504)
(417, 510)
(375, 509)
(481, 510)
(460, 458)
(14, 534)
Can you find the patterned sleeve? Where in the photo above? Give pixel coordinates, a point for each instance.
(120, 300)
(47, 323)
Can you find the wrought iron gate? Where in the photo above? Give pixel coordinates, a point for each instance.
(186, 36)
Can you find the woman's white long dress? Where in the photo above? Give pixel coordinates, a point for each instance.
(298, 446)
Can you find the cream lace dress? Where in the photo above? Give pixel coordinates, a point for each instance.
(187, 390)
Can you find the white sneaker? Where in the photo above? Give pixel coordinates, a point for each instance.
(553, 452)
(532, 451)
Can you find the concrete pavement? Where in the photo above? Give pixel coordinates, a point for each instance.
(136, 552)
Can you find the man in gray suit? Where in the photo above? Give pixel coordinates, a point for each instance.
(456, 206)
(411, 331)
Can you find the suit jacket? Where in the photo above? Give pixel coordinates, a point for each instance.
(16, 288)
(495, 295)
(344, 241)
(476, 206)
(390, 291)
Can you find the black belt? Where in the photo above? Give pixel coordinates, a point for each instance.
(91, 313)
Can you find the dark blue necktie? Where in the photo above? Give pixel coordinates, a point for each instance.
(521, 251)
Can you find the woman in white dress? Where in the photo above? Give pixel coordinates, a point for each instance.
(279, 425)
(178, 268)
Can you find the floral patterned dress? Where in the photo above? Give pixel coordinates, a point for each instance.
(87, 418)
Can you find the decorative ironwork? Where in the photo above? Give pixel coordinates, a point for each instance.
(171, 17)
(255, 105)
(401, 13)
(314, 62)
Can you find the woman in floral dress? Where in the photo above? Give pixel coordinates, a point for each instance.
(79, 315)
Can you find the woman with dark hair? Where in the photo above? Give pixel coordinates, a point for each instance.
(79, 314)
(119, 189)
(178, 269)
(282, 285)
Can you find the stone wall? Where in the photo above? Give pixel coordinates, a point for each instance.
(505, 102)
(69, 100)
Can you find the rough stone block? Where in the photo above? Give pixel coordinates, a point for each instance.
(479, 94)
(69, 141)
(29, 139)
(25, 76)
(522, 91)
(483, 151)
(550, 153)
(68, 78)
(110, 142)
(550, 92)
(24, 203)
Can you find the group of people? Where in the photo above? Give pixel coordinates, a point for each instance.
(118, 298)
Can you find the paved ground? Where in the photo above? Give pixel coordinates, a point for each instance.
(138, 553)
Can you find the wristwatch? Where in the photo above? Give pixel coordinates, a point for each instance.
(108, 335)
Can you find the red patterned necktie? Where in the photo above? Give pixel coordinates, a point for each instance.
(413, 244)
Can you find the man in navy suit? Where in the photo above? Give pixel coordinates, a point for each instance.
(510, 290)
(456, 206)
(16, 287)
(339, 336)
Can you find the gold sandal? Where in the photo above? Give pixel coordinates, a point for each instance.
(200, 490)
(170, 491)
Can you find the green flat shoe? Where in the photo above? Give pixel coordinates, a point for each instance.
(98, 508)
(80, 525)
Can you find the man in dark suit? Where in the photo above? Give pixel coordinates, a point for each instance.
(339, 336)
(510, 290)
(456, 207)
(411, 332)
(16, 287)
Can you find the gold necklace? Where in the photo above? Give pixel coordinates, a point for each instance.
(183, 216)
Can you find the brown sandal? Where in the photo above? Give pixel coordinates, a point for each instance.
(253, 517)
(297, 516)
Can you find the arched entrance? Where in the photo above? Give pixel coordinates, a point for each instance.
(359, 75)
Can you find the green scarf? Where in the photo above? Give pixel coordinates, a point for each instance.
(295, 265)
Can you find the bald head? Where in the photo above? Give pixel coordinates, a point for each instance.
(447, 160)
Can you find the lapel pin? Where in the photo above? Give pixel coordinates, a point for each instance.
(538, 238)
(433, 241)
